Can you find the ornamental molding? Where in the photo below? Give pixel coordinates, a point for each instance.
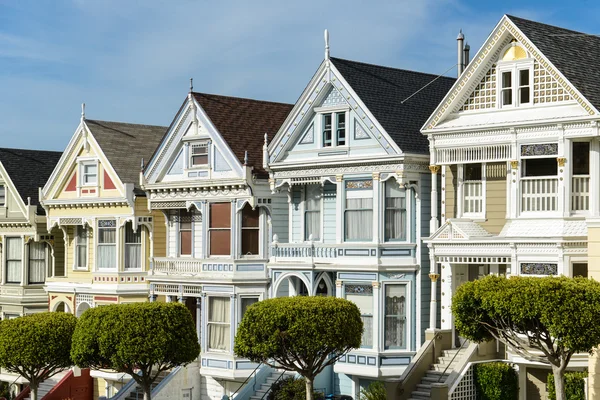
(199, 193)
(538, 268)
(368, 168)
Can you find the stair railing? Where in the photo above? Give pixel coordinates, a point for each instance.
(269, 389)
(453, 357)
(252, 374)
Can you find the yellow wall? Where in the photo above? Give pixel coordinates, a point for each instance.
(495, 197)
(594, 273)
(450, 193)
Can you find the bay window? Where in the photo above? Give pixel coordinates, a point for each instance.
(312, 212)
(395, 317)
(219, 321)
(81, 240)
(219, 230)
(37, 262)
(106, 256)
(185, 232)
(133, 247)
(362, 296)
(250, 230)
(395, 212)
(14, 256)
(358, 213)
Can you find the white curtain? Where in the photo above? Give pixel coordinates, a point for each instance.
(395, 212)
(37, 262)
(365, 305)
(14, 252)
(81, 247)
(107, 250)
(395, 316)
(312, 216)
(219, 323)
(359, 218)
(133, 247)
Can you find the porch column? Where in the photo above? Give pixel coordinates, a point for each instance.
(433, 275)
(460, 172)
(564, 181)
(594, 178)
(376, 207)
(434, 223)
(514, 204)
(199, 318)
(376, 313)
(446, 317)
(338, 288)
(339, 203)
(25, 262)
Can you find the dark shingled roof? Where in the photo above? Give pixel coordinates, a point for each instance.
(125, 145)
(29, 170)
(244, 122)
(382, 89)
(575, 54)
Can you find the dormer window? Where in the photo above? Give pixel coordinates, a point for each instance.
(89, 174)
(515, 71)
(334, 123)
(199, 155)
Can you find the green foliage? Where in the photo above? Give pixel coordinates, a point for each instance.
(5, 393)
(301, 334)
(37, 346)
(496, 381)
(151, 337)
(291, 389)
(375, 391)
(574, 385)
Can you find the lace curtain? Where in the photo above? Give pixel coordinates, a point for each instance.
(133, 247)
(37, 262)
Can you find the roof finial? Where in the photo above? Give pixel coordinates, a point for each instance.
(266, 138)
(191, 85)
(246, 157)
(326, 35)
(82, 111)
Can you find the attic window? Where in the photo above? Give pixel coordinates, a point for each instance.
(199, 155)
(2, 196)
(515, 70)
(89, 174)
(334, 129)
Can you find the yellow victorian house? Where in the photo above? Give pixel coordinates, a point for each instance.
(93, 197)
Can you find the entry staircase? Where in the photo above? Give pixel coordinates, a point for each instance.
(47, 385)
(261, 392)
(132, 391)
(438, 373)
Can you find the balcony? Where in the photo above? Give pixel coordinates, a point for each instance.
(205, 267)
(580, 193)
(539, 194)
(474, 197)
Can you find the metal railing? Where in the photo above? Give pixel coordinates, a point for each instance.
(465, 341)
(252, 375)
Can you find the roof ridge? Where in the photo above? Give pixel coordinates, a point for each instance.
(393, 68)
(511, 17)
(123, 123)
(242, 98)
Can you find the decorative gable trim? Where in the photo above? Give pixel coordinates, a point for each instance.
(309, 135)
(72, 186)
(333, 99)
(10, 187)
(484, 60)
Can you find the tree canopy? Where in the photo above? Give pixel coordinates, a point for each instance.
(301, 334)
(140, 339)
(37, 346)
(556, 316)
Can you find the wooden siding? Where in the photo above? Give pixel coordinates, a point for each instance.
(495, 197)
(280, 218)
(423, 301)
(450, 173)
(297, 234)
(329, 213)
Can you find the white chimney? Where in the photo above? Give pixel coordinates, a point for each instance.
(461, 54)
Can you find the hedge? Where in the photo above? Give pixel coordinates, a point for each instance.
(496, 381)
(574, 385)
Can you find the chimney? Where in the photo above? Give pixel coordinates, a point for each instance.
(467, 49)
(461, 54)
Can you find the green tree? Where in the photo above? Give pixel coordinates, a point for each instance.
(375, 391)
(37, 346)
(300, 334)
(556, 316)
(140, 339)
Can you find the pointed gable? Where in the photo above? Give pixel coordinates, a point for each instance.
(385, 91)
(29, 170)
(243, 122)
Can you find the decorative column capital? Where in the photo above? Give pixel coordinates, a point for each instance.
(561, 161)
(376, 176)
(434, 169)
(338, 283)
(376, 285)
(339, 178)
(514, 164)
(434, 277)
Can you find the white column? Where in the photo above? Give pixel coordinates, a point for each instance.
(446, 275)
(434, 224)
(460, 171)
(205, 217)
(514, 202)
(433, 276)
(233, 233)
(199, 318)
(232, 321)
(595, 178)
(376, 312)
(25, 263)
(376, 206)
(339, 203)
(338, 289)
(564, 179)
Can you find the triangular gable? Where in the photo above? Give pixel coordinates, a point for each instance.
(168, 162)
(328, 88)
(459, 230)
(11, 193)
(474, 89)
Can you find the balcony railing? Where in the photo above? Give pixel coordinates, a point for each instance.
(539, 194)
(177, 266)
(580, 193)
(303, 250)
(473, 197)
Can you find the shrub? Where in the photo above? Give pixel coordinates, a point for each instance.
(574, 385)
(375, 391)
(291, 389)
(496, 381)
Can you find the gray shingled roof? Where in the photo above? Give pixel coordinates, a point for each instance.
(125, 145)
(29, 170)
(575, 54)
(383, 89)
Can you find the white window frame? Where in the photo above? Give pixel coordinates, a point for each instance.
(514, 67)
(2, 195)
(98, 244)
(408, 313)
(257, 296)
(82, 175)
(199, 144)
(334, 111)
(127, 244)
(260, 229)
(208, 324)
(461, 177)
(357, 193)
(304, 193)
(30, 259)
(372, 315)
(5, 249)
(407, 212)
(76, 245)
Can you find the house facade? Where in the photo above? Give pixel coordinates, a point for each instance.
(515, 158)
(107, 234)
(354, 170)
(207, 181)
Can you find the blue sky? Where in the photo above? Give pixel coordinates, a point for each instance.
(131, 60)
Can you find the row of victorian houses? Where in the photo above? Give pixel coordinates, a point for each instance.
(384, 186)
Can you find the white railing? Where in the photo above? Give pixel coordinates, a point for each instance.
(177, 266)
(473, 197)
(539, 194)
(580, 193)
(303, 250)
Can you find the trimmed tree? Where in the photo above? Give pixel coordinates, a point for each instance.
(139, 339)
(299, 334)
(37, 346)
(556, 316)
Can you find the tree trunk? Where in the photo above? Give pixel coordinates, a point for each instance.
(559, 382)
(309, 388)
(33, 389)
(147, 387)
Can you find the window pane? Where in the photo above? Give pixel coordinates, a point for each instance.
(133, 256)
(341, 129)
(107, 235)
(250, 239)
(2, 195)
(185, 219)
(220, 242)
(327, 130)
(395, 316)
(14, 248)
(132, 236)
(250, 217)
(81, 256)
(540, 167)
(185, 243)
(220, 215)
(581, 158)
(524, 95)
(200, 160)
(359, 219)
(106, 257)
(37, 262)
(580, 269)
(506, 80)
(247, 302)
(524, 77)
(473, 172)
(219, 320)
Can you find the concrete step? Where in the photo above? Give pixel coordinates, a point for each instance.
(420, 395)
